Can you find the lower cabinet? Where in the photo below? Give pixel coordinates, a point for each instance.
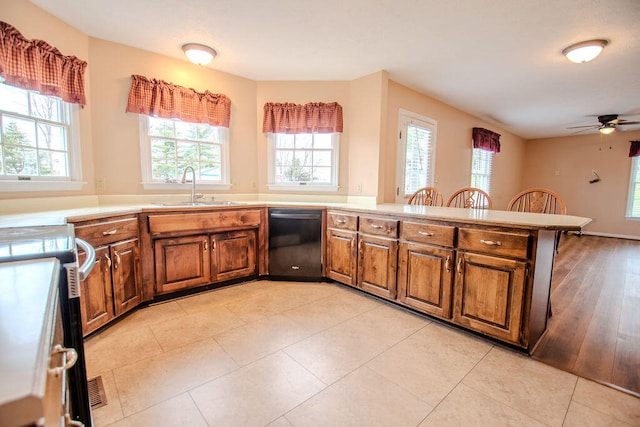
(489, 295)
(192, 261)
(114, 285)
(181, 263)
(233, 255)
(425, 278)
(377, 260)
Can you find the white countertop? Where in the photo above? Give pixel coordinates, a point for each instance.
(476, 216)
(28, 297)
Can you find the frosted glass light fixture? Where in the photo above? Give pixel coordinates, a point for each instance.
(584, 51)
(607, 128)
(199, 53)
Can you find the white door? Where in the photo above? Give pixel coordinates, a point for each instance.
(416, 154)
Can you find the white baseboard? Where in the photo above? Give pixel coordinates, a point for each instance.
(617, 236)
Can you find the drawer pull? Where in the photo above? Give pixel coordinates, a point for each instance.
(341, 221)
(376, 226)
(491, 242)
(426, 233)
(71, 358)
(110, 232)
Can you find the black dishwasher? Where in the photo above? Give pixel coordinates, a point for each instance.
(295, 244)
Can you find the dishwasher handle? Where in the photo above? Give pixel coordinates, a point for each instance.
(295, 215)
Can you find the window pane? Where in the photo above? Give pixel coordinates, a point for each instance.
(160, 127)
(53, 163)
(163, 149)
(45, 107)
(323, 141)
(304, 140)
(211, 153)
(19, 132)
(322, 158)
(211, 171)
(322, 175)
(188, 152)
(417, 161)
(165, 170)
(284, 141)
(633, 209)
(14, 99)
(481, 169)
(20, 160)
(51, 137)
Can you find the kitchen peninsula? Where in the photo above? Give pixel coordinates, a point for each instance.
(486, 271)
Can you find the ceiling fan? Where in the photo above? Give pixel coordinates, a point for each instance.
(608, 124)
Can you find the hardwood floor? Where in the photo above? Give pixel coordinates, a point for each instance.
(594, 331)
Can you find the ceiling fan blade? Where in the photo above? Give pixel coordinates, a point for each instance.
(588, 126)
(624, 122)
(583, 130)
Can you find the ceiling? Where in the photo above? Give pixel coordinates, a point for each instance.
(499, 60)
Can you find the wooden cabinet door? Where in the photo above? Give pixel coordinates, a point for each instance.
(425, 278)
(233, 255)
(125, 270)
(377, 261)
(489, 295)
(96, 299)
(181, 263)
(341, 256)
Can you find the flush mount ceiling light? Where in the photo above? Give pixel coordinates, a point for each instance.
(199, 53)
(584, 51)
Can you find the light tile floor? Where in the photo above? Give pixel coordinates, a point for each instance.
(320, 354)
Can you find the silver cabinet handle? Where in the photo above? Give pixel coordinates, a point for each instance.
(426, 233)
(108, 260)
(447, 264)
(117, 263)
(110, 232)
(491, 242)
(341, 221)
(459, 266)
(72, 357)
(376, 226)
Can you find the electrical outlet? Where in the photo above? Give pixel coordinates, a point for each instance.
(101, 184)
(359, 189)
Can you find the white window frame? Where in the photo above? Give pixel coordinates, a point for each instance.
(634, 188)
(486, 157)
(73, 182)
(304, 186)
(148, 183)
(405, 119)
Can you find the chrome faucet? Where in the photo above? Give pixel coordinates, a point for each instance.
(193, 182)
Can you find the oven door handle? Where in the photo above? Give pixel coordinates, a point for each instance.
(88, 263)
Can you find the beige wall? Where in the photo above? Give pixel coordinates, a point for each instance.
(453, 147)
(565, 165)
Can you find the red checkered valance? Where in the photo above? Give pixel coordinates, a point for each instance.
(161, 99)
(36, 65)
(314, 117)
(486, 140)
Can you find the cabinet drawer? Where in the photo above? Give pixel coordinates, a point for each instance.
(514, 245)
(342, 221)
(202, 222)
(379, 227)
(432, 234)
(107, 231)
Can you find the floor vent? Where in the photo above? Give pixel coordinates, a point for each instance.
(97, 395)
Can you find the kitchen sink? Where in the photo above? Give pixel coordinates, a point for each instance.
(201, 203)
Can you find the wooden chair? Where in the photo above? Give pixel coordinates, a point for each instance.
(538, 200)
(470, 197)
(427, 196)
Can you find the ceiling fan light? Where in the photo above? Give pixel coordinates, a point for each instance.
(199, 53)
(584, 51)
(607, 129)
